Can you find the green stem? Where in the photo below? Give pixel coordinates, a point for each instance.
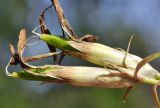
(149, 81)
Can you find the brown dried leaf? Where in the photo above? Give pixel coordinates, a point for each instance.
(12, 50)
(14, 60)
(43, 27)
(63, 21)
(89, 38)
(145, 61)
(22, 41)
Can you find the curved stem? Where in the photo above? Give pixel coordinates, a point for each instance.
(155, 96)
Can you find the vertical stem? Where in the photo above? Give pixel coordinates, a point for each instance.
(155, 96)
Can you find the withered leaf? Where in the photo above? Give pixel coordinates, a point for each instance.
(63, 21)
(22, 41)
(89, 38)
(43, 27)
(14, 59)
(12, 50)
(145, 61)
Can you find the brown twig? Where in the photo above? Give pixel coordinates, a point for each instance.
(35, 58)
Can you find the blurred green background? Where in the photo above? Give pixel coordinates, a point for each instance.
(114, 21)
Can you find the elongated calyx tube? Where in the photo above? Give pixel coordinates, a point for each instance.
(82, 76)
(99, 54)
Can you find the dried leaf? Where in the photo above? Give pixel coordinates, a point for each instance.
(12, 50)
(63, 21)
(22, 41)
(145, 61)
(43, 27)
(89, 38)
(14, 59)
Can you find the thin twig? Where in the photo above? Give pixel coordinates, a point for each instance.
(38, 57)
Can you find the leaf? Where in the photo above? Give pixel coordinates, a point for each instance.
(89, 38)
(14, 60)
(12, 50)
(145, 61)
(63, 21)
(43, 27)
(22, 41)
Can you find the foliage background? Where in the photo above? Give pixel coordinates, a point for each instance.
(114, 21)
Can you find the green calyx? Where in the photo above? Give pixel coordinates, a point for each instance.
(36, 74)
(43, 69)
(27, 76)
(57, 42)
